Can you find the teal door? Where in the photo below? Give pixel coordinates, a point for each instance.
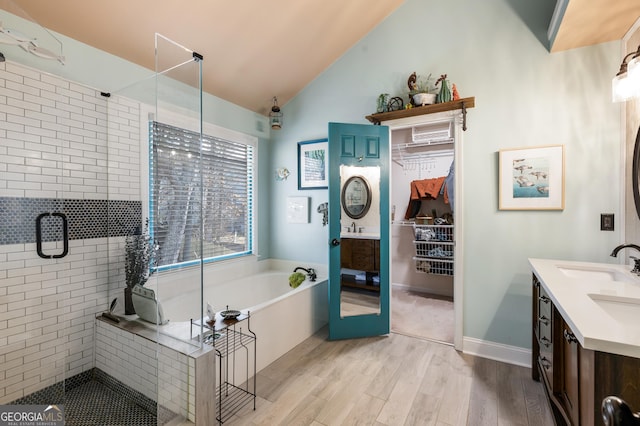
(359, 218)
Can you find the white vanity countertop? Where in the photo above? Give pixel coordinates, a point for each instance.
(361, 235)
(597, 300)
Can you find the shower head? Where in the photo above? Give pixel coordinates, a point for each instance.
(1, 57)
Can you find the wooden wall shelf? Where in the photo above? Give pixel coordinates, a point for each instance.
(462, 104)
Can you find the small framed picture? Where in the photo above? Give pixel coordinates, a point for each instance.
(531, 178)
(297, 209)
(313, 164)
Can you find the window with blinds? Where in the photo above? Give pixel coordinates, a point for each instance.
(201, 196)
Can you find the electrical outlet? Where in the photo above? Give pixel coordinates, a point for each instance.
(606, 222)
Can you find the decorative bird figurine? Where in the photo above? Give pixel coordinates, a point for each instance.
(455, 93)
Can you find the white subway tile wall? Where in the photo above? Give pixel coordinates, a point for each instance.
(131, 359)
(53, 144)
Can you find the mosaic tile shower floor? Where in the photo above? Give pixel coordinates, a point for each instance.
(94, 398)
(95, 404)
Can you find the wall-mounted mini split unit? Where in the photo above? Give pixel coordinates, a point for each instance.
(433, 133)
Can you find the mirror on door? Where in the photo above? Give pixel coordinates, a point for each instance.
(360, 240)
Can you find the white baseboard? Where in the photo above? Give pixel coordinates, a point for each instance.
(497, 351)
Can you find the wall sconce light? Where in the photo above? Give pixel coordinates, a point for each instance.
(275, 116)
(626, 84)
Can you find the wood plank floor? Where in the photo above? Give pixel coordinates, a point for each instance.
(392, 380)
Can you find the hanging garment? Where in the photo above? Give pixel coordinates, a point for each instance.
(425, 189)
(448, 187)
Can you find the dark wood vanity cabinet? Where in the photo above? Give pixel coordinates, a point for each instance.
(576, 379)
(543, 333)
(360, 254)
(568, 383)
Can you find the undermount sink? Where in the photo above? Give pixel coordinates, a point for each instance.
(597, 274)
(625, 310)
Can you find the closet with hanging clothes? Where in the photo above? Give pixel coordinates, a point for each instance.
(423, 230)
(425, 141)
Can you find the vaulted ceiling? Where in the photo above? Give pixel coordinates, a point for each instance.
(256, 49)
(253, 49)
(589, 22)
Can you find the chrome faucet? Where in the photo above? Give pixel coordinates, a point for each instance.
(636, 261)
(353, 227)
(311, 273)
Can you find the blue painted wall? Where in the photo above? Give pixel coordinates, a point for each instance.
(525, 96)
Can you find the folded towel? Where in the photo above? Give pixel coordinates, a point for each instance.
(296, 279)
(361, 276)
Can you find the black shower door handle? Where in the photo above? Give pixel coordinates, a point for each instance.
(65, 236)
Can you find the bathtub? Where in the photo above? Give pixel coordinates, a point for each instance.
(281, 317)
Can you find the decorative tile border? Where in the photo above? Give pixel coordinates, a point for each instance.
(86, 219)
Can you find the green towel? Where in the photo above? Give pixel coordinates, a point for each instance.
(296, 279)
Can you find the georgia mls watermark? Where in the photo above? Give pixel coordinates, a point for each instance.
(31, 415)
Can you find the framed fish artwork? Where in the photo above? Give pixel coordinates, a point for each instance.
(531, 178)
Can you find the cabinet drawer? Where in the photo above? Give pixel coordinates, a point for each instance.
(545, 332)
(545, 365)
(544, 303)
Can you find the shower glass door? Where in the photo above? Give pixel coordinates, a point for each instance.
(152, 189)
(42, 323)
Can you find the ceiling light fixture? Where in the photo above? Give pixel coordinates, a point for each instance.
(275, 116)
(626, 84)
(29, 44)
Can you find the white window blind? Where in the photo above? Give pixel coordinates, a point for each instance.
(186, 175)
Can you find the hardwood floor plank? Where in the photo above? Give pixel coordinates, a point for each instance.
(483, 403)
(392, 380)
(424, 410)
(511, 404)
(435, 377)
(400, 401)
(365, 411)
(538, 410)
(306, 412)
(340, 405)
(288, 400)
(454, 408)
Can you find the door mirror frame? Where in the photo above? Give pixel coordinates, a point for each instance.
(635, 173)
(353, 190)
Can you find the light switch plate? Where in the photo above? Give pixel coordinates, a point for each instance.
(606, 222)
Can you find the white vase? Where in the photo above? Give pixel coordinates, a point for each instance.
(424, 98)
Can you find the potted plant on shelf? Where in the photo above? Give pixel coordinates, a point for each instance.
(421, 90)
(444, 95)
(140, 255)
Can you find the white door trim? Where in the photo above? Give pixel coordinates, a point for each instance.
(458, 293)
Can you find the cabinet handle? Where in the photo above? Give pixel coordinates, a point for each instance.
(544, 299)
(545, 363)
(544, 320)
(569, 336)
(545, 341)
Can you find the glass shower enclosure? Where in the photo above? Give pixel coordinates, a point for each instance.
(76, 168)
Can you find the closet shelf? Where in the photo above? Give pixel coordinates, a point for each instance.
(462, 104)
(402, 154)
